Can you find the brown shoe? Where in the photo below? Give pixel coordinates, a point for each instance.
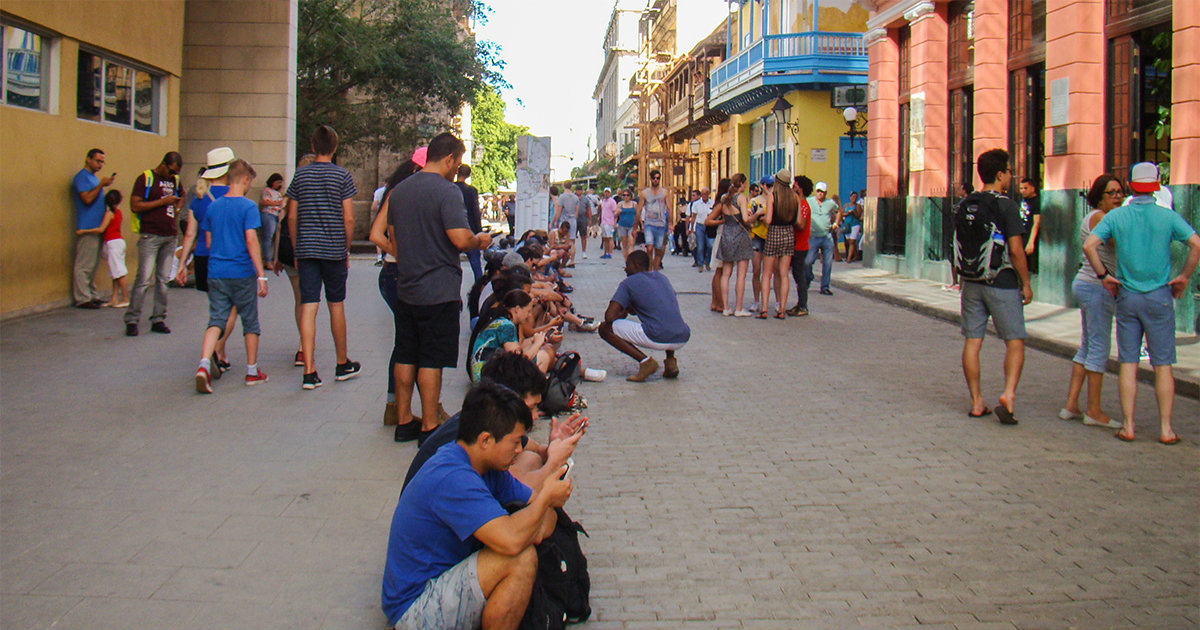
(645, 369)
(391, 415)
(670, 368)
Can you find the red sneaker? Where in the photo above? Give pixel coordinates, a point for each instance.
(261, 377)
(203, 381)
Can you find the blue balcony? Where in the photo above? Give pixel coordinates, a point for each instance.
(813, 60)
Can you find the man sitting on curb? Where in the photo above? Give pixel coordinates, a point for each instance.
(456, 558)
(650, 296)
(536, 461)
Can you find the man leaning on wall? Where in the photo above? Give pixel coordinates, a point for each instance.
(87, 194)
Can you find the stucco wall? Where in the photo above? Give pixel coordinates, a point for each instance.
(43, 151)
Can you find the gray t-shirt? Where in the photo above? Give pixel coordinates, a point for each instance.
(420, 210)
(654, 212)
(570, 206)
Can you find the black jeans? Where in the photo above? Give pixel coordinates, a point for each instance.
(388, 275)
(800, 275)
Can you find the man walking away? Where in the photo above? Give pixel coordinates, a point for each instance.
(236, 277)
(989, 253)
(153, 201)
(650, 296)
(88, 197)
(321, 208)
(1144, 288)
(566, 210)
(430, 229)
(474, 219)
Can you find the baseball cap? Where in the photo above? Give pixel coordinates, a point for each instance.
(821, 186)
(217, 162)
(607, 189)
(419, 156)
(1143, 177)
(766, 181)
(784, 176)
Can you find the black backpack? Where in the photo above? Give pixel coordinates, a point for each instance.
(980, 250)
(561, 588)
(561, 382)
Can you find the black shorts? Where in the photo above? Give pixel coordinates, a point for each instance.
(200, 267)
(427, 334)
(315, 272)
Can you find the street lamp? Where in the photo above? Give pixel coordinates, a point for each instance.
(694, 147)
(783, 113)
(854, 127)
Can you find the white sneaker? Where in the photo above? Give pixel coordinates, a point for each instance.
(754, 307)
(727, 312)
(594, 375)
(1067, 415)
(585, 256)
(742, 313)
(1112, 423)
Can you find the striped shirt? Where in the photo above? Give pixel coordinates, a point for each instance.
(319, 190)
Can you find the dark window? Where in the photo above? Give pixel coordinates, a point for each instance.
(117, 93)
(960, 43)
(1027, 122)
(89, 92)
(1026, 31)
(904, 46)
(1139, 99)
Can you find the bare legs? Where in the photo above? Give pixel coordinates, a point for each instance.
(770, 272)
(506, 582)
(1164, 391)
(428, 382)
(756, 277)
(1095, 381)
(1014, 361)
(308, 332)
(970, 366)
(209, 345)
(782, 285)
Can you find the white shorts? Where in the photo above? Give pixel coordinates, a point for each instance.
(115, 250)
(855, 233)
(606, 230)
(633, 333)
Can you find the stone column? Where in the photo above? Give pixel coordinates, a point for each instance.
(991, 78)
(928, 76)
(1075, 52)
(238, 87)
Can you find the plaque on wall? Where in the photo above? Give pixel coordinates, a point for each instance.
(1058, 141)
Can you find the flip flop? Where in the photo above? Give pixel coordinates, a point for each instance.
(780, 315)
(985, 412)
(1171, 442)
(1120, 435)
(761, 315)
(1006, 416)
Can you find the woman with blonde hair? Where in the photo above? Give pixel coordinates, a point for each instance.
(782, 214)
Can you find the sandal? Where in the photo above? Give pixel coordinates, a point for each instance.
(761, 315)
(780, 315)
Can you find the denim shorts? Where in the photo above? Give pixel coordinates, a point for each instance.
(315, 272)
(980, 300)
(1096, 307)
(453, 600)
(757, 244)
(656, 236)
(1146, 314)
(224, 294)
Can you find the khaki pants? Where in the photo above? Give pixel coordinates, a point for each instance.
(87, 258)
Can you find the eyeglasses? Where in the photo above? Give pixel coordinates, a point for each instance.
(1115, 193)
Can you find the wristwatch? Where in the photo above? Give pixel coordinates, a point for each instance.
(1102, 275)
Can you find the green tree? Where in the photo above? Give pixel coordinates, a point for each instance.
(496, 138)
(385, 73)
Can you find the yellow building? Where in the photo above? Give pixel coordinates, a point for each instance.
(135, 78)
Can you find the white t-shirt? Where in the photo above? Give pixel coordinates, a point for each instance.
(701, 209)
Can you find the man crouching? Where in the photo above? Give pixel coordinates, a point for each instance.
(456, 558)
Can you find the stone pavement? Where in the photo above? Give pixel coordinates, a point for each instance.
(1051, 327)
(814, 472)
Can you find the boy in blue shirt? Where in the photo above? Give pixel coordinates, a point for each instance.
(1144, 289)
(456, 559)
(235, 272)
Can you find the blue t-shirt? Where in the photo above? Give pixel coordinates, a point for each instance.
(435, 520)
(227, 220)
(489, 341)
(1143, 231)
(87, 216)
(650, 295)
(198, 208)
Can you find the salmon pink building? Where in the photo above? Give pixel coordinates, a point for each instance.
(1071, 88)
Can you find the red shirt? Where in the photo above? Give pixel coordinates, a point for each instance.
(803, 235)
(113, 231)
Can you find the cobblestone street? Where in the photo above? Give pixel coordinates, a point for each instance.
(815, 472)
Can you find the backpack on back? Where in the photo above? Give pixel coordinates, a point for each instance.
(135, 220)
(980, 250)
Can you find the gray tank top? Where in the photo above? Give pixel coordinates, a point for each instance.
(1108, 257)
(654, 212)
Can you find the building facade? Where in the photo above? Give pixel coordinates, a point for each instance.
(1071, 88)
(86, 74)
(620, 62)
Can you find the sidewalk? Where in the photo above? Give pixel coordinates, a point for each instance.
(1052, 328)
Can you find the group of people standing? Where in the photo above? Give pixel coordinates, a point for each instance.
(1126, 276)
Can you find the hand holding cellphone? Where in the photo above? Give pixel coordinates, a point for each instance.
(570, 467)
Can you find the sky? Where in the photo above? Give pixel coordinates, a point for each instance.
(553, 51)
